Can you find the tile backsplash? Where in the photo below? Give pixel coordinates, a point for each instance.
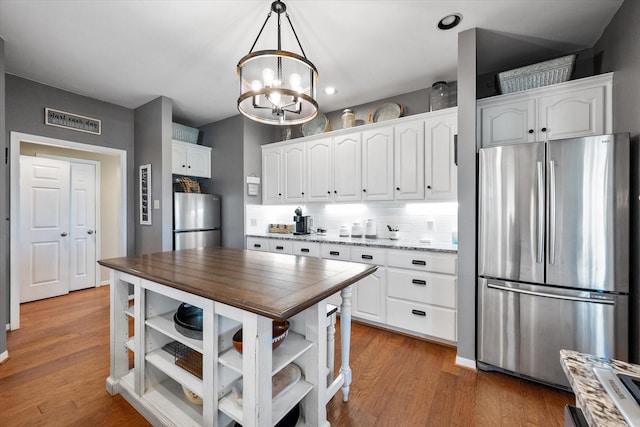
(437, 222)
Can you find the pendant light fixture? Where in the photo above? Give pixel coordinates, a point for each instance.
(277, 87)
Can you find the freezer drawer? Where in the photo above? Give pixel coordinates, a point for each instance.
(196, 239)
(522, 328)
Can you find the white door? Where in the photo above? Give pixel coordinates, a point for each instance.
(293, 179)
(83, 227)
(409, 161)
(271, 173)
(441, 172)
(320, 170)
(377, 164)
(347, 159)
(44, 228)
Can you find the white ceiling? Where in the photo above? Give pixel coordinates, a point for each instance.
(130, 52)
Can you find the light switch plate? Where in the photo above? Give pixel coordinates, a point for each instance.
(156, 204)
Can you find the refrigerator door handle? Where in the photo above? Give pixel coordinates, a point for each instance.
(540, 219)
(552, 212)
(548, 295)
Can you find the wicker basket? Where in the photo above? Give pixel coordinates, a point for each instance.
(541, 74)
(185, 133)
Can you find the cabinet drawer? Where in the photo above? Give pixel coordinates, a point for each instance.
(306, 249)
(423, 319)
(280, 246)
(340, 252)
(424, 261)
(258, 244)
(368, 255)
(428, 288)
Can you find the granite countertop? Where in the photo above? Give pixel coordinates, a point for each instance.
(404, 244)
(591, 397)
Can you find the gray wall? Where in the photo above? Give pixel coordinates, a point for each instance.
(467, 150)
(4, 213)
(25, 102)
(236, 154)
(617, 51)
(153, 146)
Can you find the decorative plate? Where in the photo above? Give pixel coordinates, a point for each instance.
(387, 111)
(318, 125)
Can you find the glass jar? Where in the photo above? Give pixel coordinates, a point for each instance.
(348, 119)
(439, 96)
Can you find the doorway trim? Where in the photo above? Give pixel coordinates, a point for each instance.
(16, 139)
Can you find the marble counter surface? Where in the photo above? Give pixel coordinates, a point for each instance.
(591, 397)
(404, 244)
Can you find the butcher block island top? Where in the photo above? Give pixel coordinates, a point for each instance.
(176, 378)
(272, 285)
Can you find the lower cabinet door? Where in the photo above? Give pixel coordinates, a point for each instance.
(423, 319)
(368, 301)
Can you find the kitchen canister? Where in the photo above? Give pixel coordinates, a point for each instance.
(356, 229)
(344, 231)
(348, 119)
(439, 96)
(370, 231)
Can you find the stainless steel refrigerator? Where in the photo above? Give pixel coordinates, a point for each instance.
(553, 254)
(196, 220)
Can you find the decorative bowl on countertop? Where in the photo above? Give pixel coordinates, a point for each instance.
(279, 332)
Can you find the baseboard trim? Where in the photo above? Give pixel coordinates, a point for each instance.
(8, 327)
(103, 283)
(466, 363)
(4, 356)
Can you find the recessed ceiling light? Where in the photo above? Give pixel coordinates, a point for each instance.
(330, 90)
(449, 21)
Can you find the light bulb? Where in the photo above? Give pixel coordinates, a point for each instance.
(295, 81)
(274, 97)
(267, 77)
(277, 83)
(256, 85)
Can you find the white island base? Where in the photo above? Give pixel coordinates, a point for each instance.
(148, 378)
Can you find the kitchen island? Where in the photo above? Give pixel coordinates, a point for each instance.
(235, 289)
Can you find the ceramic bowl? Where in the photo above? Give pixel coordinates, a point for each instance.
(279, 332)
(188, 321)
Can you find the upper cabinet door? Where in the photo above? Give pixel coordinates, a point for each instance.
(347, 159)
(271, 166)
(409, 161)
(199, 161)
(377, 164)
(178, 158)
(441, 172)
(293, 178)
(320, 170)
(572, 114)
(510, 122)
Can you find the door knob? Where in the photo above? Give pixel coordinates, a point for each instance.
(63, 234)
(90, 232)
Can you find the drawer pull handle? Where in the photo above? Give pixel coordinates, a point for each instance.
(419, 282)
(334, 253)
(257, 245)
(279, 248)
(419, 313)
(304, 250)
(367, 256)
(418, 262)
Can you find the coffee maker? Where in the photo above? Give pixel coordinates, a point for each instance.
(303, 223)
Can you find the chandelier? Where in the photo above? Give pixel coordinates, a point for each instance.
(277, 87)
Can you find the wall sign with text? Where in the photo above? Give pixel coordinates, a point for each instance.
(145, 194)
(62, 119)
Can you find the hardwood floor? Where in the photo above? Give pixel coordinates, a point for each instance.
(59, 361)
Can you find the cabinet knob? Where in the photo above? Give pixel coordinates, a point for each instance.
(279, 194)
(364, 190)
(303, 193)
(329, 192)
(530, 130)
(429, 187)
(184, 166)
(398, 188)
(543, 129)
(189, 167)
(335, 191)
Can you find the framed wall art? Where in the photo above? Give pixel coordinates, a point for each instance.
(145, 194)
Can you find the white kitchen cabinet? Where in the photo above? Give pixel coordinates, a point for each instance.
(377, 164)
(190, 159)
(565, 110)
(283, 174)
(272, 165)
(320, 187)
(258, 244)
(306, 249)
(369, 293)
(422, 293)
(281, 246)
(409, 160)
(347, 163)
(441, 172)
